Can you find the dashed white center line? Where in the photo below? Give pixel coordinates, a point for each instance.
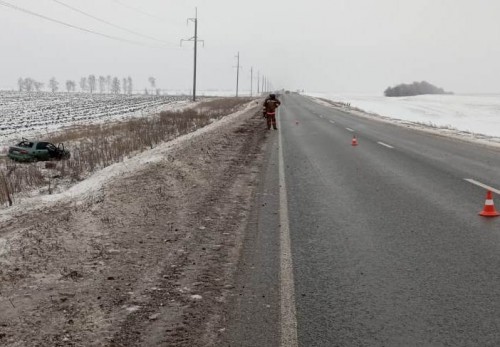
(349, 129)
(385, 144)
(482, 185)
(332, 122)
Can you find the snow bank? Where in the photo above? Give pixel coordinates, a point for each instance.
(479, 114)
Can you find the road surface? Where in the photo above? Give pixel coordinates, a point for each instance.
(386, 245)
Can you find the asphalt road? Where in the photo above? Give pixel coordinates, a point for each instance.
(386, 242)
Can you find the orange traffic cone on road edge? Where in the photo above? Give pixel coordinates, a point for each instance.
(354, 141)
(489, 207)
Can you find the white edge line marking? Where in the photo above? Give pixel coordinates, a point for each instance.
(332, 122)
(349, 129)
(482, 185)
(385, 144)
(287, 286)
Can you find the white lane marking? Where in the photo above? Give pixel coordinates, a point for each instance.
(287, 286)
(385, 144)
(332, 122)
(482, 185)
(321, 116)
(350, 130)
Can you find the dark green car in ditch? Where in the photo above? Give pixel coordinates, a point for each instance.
(27, 150)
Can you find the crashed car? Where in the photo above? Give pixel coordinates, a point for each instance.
(27, 150)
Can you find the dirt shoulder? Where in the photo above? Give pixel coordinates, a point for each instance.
(146, 260)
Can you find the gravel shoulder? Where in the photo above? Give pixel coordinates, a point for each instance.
(147, 259)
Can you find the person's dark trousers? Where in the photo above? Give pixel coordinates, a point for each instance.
(271, 120)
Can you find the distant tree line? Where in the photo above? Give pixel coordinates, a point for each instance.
(29, 85)
(416, 88)
(89, 84)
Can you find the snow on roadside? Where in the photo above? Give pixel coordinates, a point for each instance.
(470, 118)
(88, 189)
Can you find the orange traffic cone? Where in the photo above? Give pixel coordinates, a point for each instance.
(489, 207)
(354, 141)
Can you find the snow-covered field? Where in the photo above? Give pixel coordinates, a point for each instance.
(478, 114)
(27, 115)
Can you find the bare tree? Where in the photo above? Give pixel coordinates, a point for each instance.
(20, 84)
(102, 84)
(129, 84)
(38, 86)
(70, 86)
(92, 83)
(54, 85)
(83, 84)
(152, 81)
(115, 87)
(146, 91)
(158, 91)
(108, 83)
(28, 84)
(124, 85)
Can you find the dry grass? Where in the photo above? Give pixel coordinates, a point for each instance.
(94, 147)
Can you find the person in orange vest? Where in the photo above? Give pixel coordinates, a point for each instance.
(271, 104)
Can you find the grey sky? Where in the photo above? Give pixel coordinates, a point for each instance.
(317, 45)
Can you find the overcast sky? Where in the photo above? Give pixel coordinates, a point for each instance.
(316, 45)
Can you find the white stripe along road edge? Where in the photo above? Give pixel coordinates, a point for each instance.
(287, 286)
(482, 185)
(385, 144)
(332, 122)
(349, 129)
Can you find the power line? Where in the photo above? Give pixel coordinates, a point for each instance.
(109, 23)
(6, 4)
(139, 11)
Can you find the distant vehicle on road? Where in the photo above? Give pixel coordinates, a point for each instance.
(27, 150)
